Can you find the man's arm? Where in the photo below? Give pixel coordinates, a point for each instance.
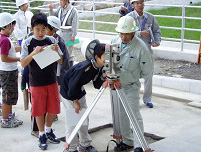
(156, 32)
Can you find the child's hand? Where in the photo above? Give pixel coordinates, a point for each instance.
(55, 47)
(37, 50)
(77, 106)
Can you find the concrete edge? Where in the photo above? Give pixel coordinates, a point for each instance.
(110, 125)
(188, 85)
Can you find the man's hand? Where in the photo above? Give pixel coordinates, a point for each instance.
(73, 39)
(77, 106)
(145, 33)
(155, 45)
(50, 7)
(123, 8)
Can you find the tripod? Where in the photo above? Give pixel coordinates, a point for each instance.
(118, 95)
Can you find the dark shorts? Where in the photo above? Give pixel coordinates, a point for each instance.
(9, 84)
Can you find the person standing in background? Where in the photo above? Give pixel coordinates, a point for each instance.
(23, 20)
(68, 16)
(146, 21)
(126, 8)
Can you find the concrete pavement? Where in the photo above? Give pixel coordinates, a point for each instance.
(171, 118)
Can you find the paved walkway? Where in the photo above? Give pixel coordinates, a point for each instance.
(170, 118)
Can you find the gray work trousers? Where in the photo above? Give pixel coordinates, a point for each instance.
(148, 84)
(132, 94)
(84, 137)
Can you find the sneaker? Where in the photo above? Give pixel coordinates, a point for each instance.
(87, 149)
(43, 142)
(35, 133)
(14, 119)
(122, 147)
(52, 138)
(56, 118)
(149, 104)
(9, 124)
(138, 149)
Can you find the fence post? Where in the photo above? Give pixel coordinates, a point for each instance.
(94, 19)
(183, 26)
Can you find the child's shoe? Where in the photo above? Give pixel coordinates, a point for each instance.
(35, 133)
(9, 124)
(43, 142)
(87, 149)
(14, 119)
(52, 138)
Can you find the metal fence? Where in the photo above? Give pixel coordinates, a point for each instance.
(10, 6)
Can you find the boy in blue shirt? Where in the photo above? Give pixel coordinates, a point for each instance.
(43, 85)
(73, 94)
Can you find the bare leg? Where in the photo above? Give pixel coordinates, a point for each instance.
(49, 119)
(41, 123)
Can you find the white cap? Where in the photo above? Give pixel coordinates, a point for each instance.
(21, 2)
(54, 22)
(5, 19)
(136, 1)
(87, 48)
(126, 24)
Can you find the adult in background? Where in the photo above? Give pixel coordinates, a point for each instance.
(126, 8)
(145, 20)
(68, 16)
(23, 20)
(135, 63)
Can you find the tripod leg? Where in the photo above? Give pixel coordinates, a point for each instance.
(85, 115)
(115, 102)
(132, 119)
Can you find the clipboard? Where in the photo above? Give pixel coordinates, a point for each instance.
(26, 99)
(69, 43)
(46, 57)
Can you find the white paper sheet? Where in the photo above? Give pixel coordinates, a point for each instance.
(73, 118)
(46, 57)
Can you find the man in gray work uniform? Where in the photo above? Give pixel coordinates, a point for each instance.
(68, 16)
(144, 21)
(135, 63)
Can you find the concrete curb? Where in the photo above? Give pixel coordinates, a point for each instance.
(188, 85)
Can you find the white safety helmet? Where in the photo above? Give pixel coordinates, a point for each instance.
(21, 2)
(126, 24)
(5, 19)
(136, 1)
(54, 22)
(87, 48)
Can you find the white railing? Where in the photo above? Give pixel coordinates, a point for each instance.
(94, 13)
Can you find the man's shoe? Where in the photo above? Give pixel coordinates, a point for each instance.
(35, 133)
(52, 138)
(149, 104)
(122, 147)
(138, 149)
(87, 149)
(43, 142)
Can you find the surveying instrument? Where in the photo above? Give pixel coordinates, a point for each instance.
(112, 61)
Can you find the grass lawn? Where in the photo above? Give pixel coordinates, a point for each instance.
(174, 11)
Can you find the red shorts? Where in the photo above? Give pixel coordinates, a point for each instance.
(45, 99)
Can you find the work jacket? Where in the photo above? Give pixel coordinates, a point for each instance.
(149, 21)
(135, 61)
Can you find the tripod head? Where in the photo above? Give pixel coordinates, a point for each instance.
(112, 61)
